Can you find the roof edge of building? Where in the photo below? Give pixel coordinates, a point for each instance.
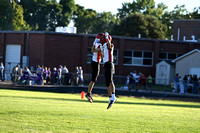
(195, 50)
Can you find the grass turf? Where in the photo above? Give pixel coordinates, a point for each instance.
(29, 111)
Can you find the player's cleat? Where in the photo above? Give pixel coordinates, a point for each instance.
(89, 97)
(111, 102)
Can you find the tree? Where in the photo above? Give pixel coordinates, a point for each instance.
(104, 22)
(179, 12)
(34, 13)
(160, 11)
(55, 13)
(139, 6)
(68, 8)
(196, 13)
(84, 19)
(18, 20)
(137, 23)
(47, 14)
(5, 16)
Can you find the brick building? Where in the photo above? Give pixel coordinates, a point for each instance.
(54, 49)
(187, 28)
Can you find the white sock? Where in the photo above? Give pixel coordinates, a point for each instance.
(113, 96)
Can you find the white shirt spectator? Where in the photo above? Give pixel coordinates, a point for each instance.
(137, 77)
(65, 70)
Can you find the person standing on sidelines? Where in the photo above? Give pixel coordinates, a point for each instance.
(80, 75)
(107, 50)
(1, 72)
(176, 83)
(95, 65)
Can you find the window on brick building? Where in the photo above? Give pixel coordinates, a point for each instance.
(138, 58)
(172, 56)
(168, 56)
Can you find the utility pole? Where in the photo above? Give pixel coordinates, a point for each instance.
(11, 23)
(11, 27)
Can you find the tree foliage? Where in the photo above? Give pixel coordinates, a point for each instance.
(47, 14)
(138, 17)
(137, 6)
(18, 23)
(104, 22)
(68, 8)
(5, 15)
(148, 7)
(89, 21)
(84, 19)
(195, 14)
(138, 23)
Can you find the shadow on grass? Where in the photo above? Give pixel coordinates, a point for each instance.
(99, 101)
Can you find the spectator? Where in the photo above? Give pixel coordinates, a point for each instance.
(133, 79)
(131, 85)
(59, 74)
(143, 80)
(75, 75)
(42, 69)
(181, 85)
(48, 73)
(190, 78)
(140, 80)
(38, 69)
(15, 74)
(149, 82)
(64, 75)
(39, 73)
(1, 72)
(128, 81)
(176, 83)
(26, 75)
(137, 77)
(199, 84)
(80, 76)
(185, 83)
(195, 84)
(20, 73)
(45, 73)
(55, 75)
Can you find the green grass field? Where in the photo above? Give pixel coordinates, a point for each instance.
(29, 111)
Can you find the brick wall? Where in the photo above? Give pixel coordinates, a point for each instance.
(53, 49)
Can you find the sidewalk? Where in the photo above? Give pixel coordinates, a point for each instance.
(97, 90)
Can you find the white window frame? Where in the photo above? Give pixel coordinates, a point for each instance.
(140, 58)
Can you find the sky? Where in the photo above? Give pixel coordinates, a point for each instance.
(112, 5)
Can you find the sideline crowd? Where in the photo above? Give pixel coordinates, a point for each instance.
(189, 83)
(136, 80)
(44, 75)
(61, 75)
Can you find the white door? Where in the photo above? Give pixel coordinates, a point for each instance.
(13, 55)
